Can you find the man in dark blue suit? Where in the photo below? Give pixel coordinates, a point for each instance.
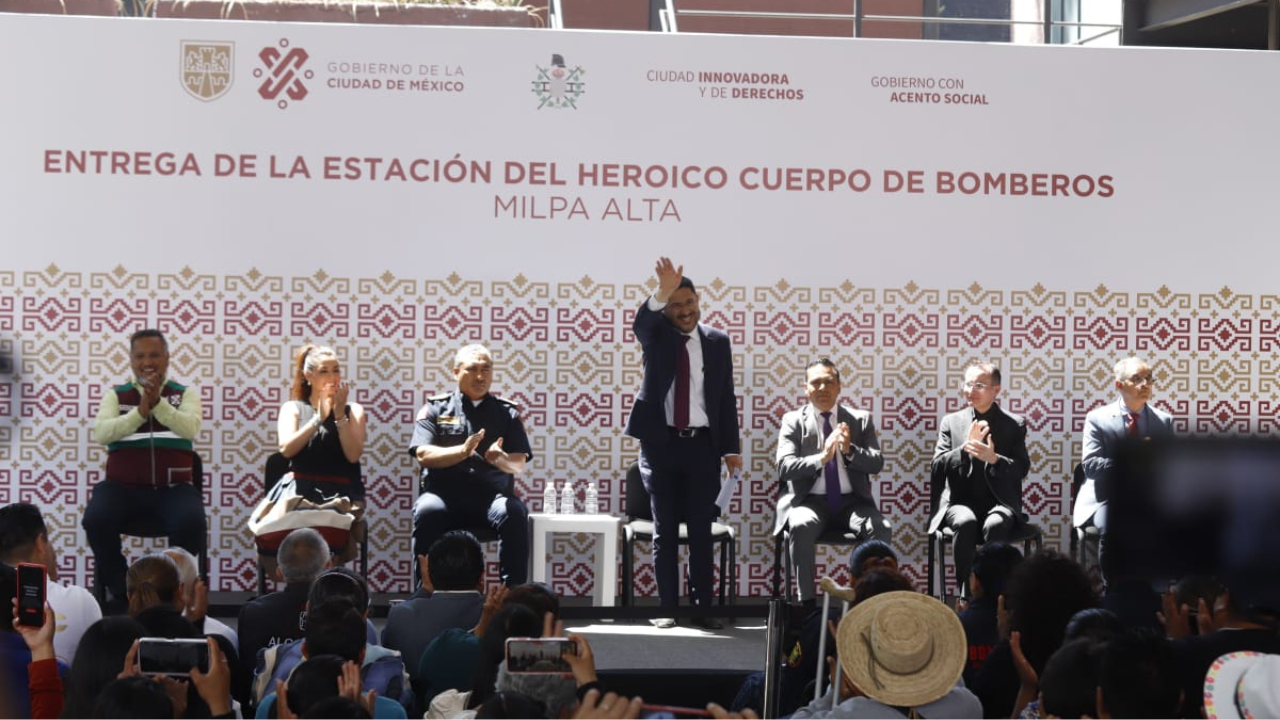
(686, 419)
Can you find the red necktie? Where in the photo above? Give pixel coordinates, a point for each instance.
(1132, 427)
(831, 471)
(682, 385)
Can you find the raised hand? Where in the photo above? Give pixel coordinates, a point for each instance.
(39, 640)
(493, 600)
(669, 277)
(1175, 618)
(350, 685)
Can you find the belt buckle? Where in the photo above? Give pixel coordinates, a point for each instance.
(687, 432)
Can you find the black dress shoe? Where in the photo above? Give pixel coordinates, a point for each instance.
(707, 623)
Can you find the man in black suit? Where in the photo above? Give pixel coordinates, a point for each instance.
(980, 461)
(686, 419)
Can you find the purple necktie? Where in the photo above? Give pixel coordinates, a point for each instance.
(682, 385)
(1132, 424)
(831, 470)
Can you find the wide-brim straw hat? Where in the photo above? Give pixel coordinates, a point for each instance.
(902, 648)
(1243, 684)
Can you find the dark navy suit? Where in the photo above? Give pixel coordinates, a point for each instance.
(682, 474)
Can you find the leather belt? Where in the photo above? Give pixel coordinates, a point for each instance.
(687, 432)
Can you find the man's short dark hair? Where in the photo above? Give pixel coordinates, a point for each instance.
(986, 368)
(313, 680)
(993, 564)
(1069, 683)
(339, 584)
(685, 282)
(21, 524)
(865, 551)
(1138, 677)
(1096, 624)
(148, 333)
(455, 561)
(825, 362)
(536, 596)
(302, 555)
(335, 628)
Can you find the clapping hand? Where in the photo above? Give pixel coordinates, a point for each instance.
(980, 444)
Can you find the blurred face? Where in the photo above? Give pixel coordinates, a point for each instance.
(1135, 389)
(149, 358)
(823, 387)
(474, 374)
(979, 390)
(879, 563)
(327, 375)
(682, 310)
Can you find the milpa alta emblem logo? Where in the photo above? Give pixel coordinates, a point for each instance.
(559, 87)
(208, 68)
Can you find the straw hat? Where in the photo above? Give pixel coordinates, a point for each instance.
(1243, 684)
(902, 648)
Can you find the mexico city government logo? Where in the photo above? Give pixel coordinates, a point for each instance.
(558, 87)
(207, 68)
(282, 73)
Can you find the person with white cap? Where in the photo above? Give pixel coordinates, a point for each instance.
(1243, 684)
(901, 654)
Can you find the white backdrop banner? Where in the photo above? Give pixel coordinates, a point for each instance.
(904, 207)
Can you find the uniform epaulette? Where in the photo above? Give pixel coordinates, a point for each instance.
(505, 401)
(442, 396)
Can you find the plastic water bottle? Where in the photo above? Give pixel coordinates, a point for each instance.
(566, 498)
(592, 504)
(549, 498)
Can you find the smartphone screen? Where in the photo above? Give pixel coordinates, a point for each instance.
(31, 595)
(539, 655)
(172, 656)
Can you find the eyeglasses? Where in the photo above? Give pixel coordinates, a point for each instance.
(975, 386)
(1142, 380)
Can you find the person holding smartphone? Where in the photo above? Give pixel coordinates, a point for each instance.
(24, 538)
(148, 425)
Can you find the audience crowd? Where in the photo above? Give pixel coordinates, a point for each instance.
(1032, 639)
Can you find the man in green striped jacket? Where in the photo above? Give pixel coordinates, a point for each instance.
(147, 425)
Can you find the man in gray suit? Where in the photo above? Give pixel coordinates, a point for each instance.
(826, 451)
(1129, 418)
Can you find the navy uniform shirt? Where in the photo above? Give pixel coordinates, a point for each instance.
(447, 420)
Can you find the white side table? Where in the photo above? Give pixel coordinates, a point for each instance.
(540, 524)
